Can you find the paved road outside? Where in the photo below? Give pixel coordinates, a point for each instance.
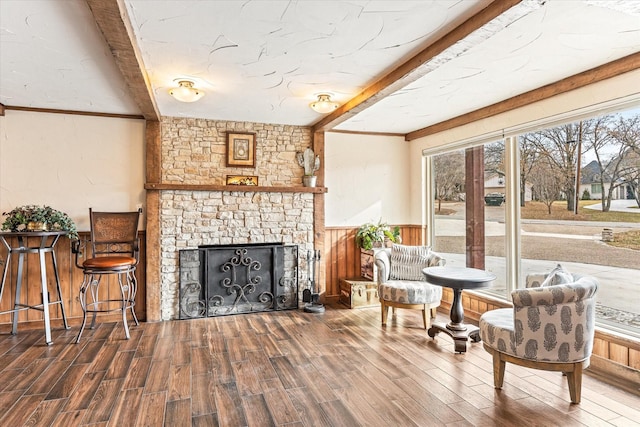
(577, 245)
(618, 205)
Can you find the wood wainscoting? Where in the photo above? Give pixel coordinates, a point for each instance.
(70, 280)
(342, 255)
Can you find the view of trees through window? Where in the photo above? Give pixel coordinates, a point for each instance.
(450, 215)
(580, 207)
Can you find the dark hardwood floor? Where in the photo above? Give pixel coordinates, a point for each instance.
(340, 368)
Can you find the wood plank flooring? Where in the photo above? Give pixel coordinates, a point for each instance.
(340, 368)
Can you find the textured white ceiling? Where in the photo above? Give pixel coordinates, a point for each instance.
(263, 61)
(555, 41)
(53, 56)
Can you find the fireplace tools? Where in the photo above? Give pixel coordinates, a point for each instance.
(309, 295)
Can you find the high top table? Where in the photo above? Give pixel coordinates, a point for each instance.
(47, 242)
(457, 278)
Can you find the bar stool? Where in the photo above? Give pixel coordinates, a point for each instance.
(114, 252)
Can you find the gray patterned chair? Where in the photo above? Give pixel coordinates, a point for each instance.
(401, 283)
(549, 328)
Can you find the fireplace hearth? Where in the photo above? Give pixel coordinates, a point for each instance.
(219, 280)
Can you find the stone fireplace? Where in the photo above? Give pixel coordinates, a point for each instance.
(197, 209)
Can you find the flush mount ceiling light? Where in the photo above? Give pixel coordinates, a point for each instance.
(324, 104)
(185, 92)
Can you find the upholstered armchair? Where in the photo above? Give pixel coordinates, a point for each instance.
(401, 283)
(549, 328)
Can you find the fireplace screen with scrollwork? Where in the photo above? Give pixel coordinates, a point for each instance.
(218, 280)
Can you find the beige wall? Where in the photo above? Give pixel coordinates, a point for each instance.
(602, 95)
(71, 162)
(74, 162)
(367, 177)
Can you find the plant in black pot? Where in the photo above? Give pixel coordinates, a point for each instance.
(371, 235)
(39, 218)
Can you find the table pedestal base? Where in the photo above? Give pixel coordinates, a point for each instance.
(460, 333)
(458, 279)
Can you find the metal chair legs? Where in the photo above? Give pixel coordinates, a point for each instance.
(91, 284)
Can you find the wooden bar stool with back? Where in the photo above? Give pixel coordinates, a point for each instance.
(114, 253)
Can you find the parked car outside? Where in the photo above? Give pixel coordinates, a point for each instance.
(494, 199)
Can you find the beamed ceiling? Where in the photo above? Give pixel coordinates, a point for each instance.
(402, 67)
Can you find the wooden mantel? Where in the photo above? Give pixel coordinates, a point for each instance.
(243, 188)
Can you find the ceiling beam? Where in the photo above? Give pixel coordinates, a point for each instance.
(113, 21)
(410, 71)
(594, 75)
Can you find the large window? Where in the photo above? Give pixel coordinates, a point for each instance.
(573, 192)
(569, 218)
(450, 212)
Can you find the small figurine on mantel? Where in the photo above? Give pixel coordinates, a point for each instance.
(311, 163)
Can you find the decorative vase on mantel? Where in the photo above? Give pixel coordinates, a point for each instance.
(309, 180)
(310, 163)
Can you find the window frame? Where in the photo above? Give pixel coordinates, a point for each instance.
(513, 255)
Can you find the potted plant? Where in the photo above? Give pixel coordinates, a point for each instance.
(372, 235)
(39, 218)
(311, 163)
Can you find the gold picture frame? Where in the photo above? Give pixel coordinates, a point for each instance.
(241, 149)
(242, 180)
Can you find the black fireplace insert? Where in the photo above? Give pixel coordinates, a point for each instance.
(220, 280)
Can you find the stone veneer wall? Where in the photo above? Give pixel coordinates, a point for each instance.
(193, 152)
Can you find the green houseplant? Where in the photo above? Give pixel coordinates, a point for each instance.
(39, 218)
(372, 235)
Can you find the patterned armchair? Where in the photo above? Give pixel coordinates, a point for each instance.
(549, 328)
(401, 283)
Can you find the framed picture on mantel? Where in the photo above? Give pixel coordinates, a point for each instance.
(242, 180)
(241, 149)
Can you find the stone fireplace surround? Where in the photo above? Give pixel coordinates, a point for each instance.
(193, 153)
(194, 218)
